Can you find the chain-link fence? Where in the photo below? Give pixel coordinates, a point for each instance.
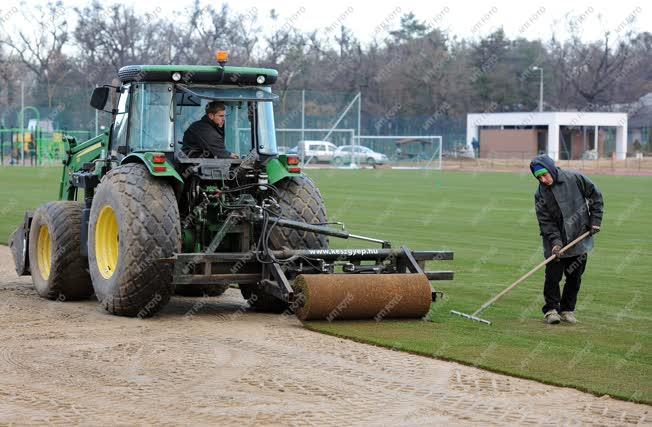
(327, 128)
(36, 147)
(338, 129)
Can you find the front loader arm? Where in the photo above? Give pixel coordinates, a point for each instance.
(77, 154)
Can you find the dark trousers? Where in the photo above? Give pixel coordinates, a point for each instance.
(572, 267)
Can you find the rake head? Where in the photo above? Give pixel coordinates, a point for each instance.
(470, 317)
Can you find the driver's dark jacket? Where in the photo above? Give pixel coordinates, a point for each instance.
(204, 138)
(566, 209)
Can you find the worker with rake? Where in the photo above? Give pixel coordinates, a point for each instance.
(567, 204)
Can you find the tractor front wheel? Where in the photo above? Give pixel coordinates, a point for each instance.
(59, 272)
(134, 222)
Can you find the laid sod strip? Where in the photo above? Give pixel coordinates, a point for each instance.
(488, 220)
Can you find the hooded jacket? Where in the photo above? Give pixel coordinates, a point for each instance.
(566, 209)
(205, 138)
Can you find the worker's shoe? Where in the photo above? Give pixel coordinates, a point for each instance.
(568, 317)
(552, 317)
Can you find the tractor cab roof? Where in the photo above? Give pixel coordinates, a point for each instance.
(206, 74)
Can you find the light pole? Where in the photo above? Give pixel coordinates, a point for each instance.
(22, 121)
(535, 68)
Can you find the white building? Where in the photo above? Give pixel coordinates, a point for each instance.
(582, 133)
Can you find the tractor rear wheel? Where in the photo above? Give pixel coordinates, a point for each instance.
(59, 272)
(134, 222)
(300, 200)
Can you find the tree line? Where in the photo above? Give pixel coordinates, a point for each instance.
(411, 69)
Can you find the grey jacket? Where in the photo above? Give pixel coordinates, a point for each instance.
(566, 209)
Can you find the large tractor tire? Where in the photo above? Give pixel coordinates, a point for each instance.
(134, 222)
(300, 200)
(59, 272)
(200, 291)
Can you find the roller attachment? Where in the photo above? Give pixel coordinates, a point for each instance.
(361, 296)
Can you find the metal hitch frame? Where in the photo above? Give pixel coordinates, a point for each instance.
(243, 267)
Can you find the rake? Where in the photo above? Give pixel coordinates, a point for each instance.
(488, 304)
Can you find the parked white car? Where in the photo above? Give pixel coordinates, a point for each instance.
(345, 153)
(315, 151)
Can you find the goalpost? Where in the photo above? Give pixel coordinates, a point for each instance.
(407, 151)
(288, 138)
(403, 151)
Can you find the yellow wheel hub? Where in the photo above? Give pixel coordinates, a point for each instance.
(106, 242)
(44, 251)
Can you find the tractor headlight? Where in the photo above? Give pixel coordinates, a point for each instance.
(260, 80)
(176, 76)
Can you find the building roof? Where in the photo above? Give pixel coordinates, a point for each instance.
(535, 118)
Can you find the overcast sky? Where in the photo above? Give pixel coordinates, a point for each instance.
(461, 18)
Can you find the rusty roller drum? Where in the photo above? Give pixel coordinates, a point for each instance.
(362, 296)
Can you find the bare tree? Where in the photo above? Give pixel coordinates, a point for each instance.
(41, 50)
(8, 73)
(414, 70)
(117, 36)
(210, 29)
(594, 69)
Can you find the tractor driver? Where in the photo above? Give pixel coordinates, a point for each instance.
(205, 137)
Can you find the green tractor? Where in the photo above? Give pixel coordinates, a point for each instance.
(138, 220)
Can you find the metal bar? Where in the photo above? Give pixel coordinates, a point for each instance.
(22, 121)
(320, 229)
(412, 264)
(399, 136)
(219, 236)
(346, 110)
(297, 225)
(217, 279)
(308, 129)
(326, 254)
(439, 275)
(433, 255)
(353, 164)
(303, 122)
(367, 239)
(470, 317)
(282, 282)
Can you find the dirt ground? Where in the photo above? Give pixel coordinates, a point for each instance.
(209, 361)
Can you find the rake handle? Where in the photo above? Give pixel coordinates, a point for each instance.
(529, 273)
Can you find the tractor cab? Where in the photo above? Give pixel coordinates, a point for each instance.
(249, 116)
(155, 104)
(153, 116)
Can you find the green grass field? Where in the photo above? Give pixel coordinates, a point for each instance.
(487, 219)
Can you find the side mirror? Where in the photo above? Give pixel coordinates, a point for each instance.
(99, 97)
